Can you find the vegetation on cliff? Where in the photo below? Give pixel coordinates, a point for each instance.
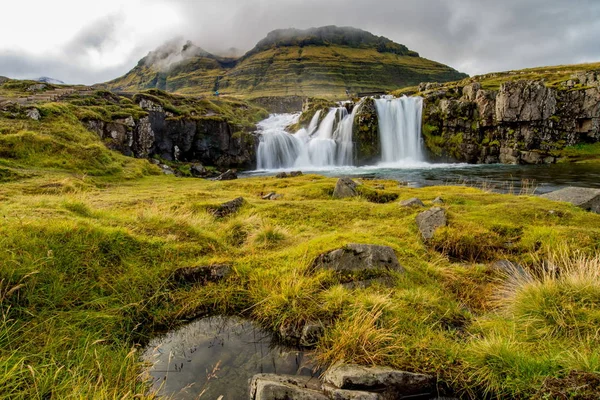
(321, 62)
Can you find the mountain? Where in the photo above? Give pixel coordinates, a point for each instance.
(324, 61)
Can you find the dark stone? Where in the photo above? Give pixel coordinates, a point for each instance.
(294, 174)
(202, 275)
(311, 333)
(341, 394)
(428, 221)
(227, 208)
(229, 175)
(356, 262)
(281, 175)
(345, 187)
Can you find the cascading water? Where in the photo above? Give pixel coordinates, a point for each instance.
(400, 129)
(327, 144)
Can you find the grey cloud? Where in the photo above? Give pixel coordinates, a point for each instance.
(474, 36)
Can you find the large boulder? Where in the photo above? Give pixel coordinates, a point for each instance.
(356, 257)
(586, 198)
(430, 220)
(345, 187)
(285, 387)
(391, 383)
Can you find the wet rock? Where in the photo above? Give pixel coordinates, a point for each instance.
(198, 170)
(356, 262)
(227, 208)
(413, 202)
(392, 384)
(345, 187)
(34, 113)
(285, 387)
(341, 394)
(202, 275)
(438, 200)
(281, 175)
(294, 174)
(430, 220)
(532, 157)
(229, 175)
(586, 198)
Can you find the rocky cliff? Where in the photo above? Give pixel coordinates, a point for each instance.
(523, 122)
(209, 138)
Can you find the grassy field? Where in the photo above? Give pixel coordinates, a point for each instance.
(85, 266)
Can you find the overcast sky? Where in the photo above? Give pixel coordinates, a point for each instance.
(94, 41)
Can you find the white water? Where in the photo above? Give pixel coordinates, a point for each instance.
(400, 129)
(325, 145)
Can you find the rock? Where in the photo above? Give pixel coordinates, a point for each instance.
(311, 333)
(532, 157)
(294, 174)
(341, 394)
(438, 200)
(149, 105)
(227, 208)
(3, 79)
(413, 202)
(166, 169)
(428, 221)
(285, 387)
(198, 170)
(203, 274)
(392, 384)
(524, 101)
(34, 114)
(281, 175)
(359, 261)
(470, 91)
(272, 196)
(229, 175)
(37, 87)
(510, 156)
(586, 198)
(508, 268)
(345, 187)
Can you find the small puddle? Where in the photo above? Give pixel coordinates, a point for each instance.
(215, 357)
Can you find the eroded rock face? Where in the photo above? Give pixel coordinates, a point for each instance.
(429, 221)
(523, 122)
(345, 187)
(586, 198)
(209, 140)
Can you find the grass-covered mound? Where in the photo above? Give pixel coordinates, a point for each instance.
(85, 268)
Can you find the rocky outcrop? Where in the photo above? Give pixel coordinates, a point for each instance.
(366, 134)
(285, 387)
(524, 122)
(588, 199)
(210, 140)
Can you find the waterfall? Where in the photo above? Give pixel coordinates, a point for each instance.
(322, 145)
(400, 128)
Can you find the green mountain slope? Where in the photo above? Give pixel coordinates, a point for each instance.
(316, 62)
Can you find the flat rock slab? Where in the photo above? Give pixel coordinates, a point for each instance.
(285, 387)
(227, 208)
(341, 394)
(345, 187)
(367, 260)
(203, 274)
(586, 198)
(430, 220)
(393, 384)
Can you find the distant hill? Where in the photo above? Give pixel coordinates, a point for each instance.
(323, 61)
(51, 81)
